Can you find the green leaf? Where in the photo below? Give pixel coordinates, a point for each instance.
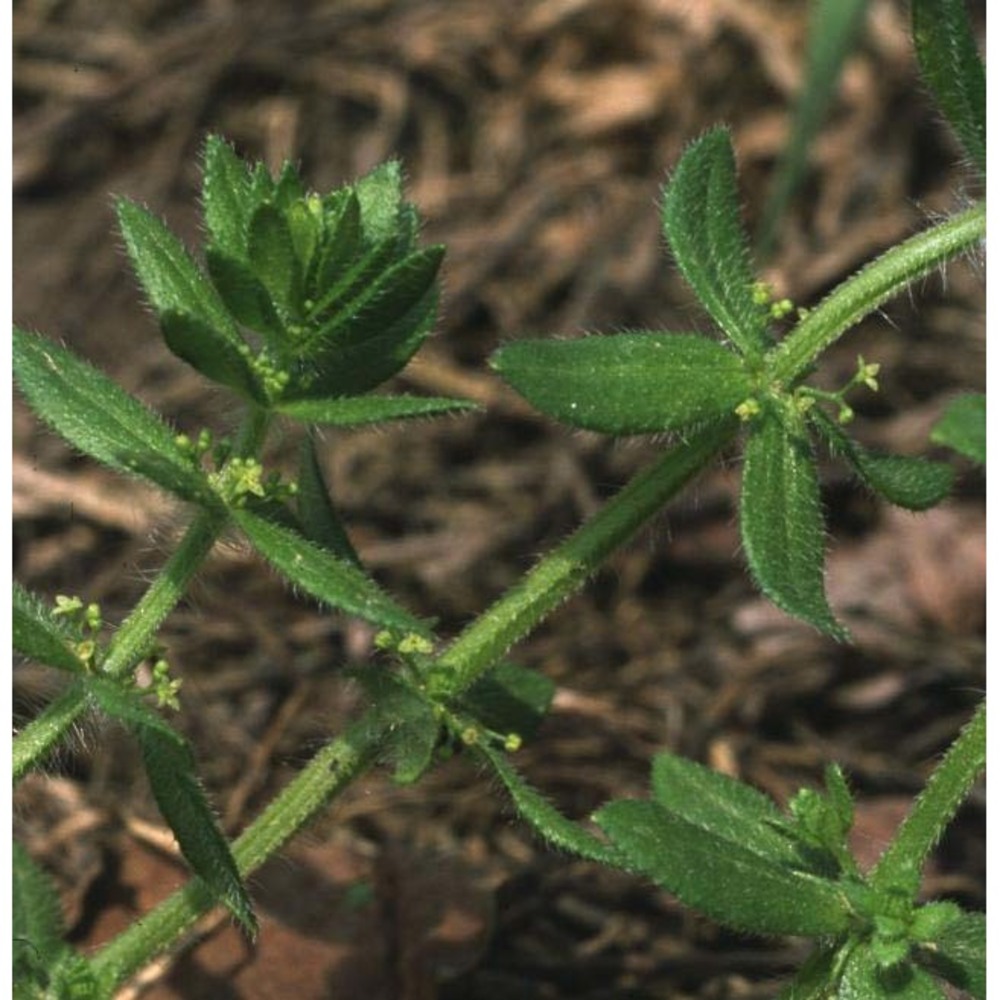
(729, 809)
(510, 700)
(244, 294)
(321, 574)
(701, 219)
(271, 252)
(408, 720)
(781, 522)
(180, 797)
(398, 291)
(358, 411)
(339, 247)
(834, 26)
(950, 63)
(354, 275)
(37, 923)
(544, 817)
(318, 516)
(958, 954)
(722, 879)
(815, 977)
(39, 636)
(380, 195)
(963, 427)
(199, 331)
(288, 188)
(630, 383)
(96, 416)
(225, 198)
(864, 980)
(910, 482)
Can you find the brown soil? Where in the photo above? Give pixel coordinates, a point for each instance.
(536, 137)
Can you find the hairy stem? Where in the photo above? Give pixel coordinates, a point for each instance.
(874, 284)
(567, 567)
(935, 806)
(132, 641)
(326, 776)
(34, 743)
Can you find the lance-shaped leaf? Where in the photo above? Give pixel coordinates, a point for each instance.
(344, 277)
(358, 411)
(723, 879)
(320, 573)
(732, 811)
(950, 63)
(629, 383)
(39, 636)
(963, 427)
(36, 916)
(557, 829)
(958, 954)
(170, 767)
(781, 521)
(96, 416)
(196, 325)
(910, 482)
(815, 978)
(318, 516)
(244, 294)
(225, 198)
(701, 219)
(271, 253)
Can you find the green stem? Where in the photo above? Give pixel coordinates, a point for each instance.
(874, 284)
(37, 739)
(567, 567)
(326, 775)
(934, 808)
(336, 766)
(132, 642)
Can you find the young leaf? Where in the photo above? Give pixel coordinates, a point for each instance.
(200, 331)
(963, 427)
(701, 219)
(400, 289)
(958, 954)
(181, 799)
(36, 914)
(731, 810)
(332, 580)
(357, 411)
(510, 700)
(910, 482)
(96, 416)
(726, 881)
(225, 198)
(950, 63)
(630, 383)
(39, 636)
(863, 979)
(544, 817)
(244, 294)
(781, 522)
(317, 514)
(380, 197)
(271, 253)
(339, 247)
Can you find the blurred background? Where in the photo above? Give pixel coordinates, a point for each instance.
(536, 137)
